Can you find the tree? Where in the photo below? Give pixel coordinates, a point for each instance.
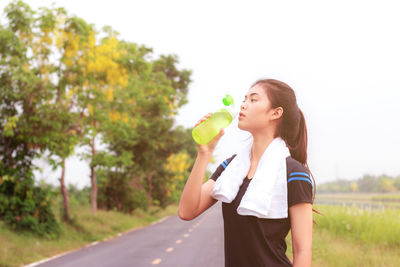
(354, 187)
(153, 95)
(386, 184)
(43, 76)
(23, 91)
(397, 182)
(64, 87)
(177, 165)
(368, 183)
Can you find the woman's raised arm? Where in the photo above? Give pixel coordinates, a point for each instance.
(196, 196)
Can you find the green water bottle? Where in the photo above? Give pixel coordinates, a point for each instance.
(208, 129)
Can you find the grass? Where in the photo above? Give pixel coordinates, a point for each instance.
(348, 236)
(330, 250)
(333, 250)
(25, 248)
(363, 225)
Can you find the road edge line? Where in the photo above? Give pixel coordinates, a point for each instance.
(94, 243)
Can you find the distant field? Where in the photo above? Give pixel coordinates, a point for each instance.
(360, 196)
(389, 197)
(361, 200)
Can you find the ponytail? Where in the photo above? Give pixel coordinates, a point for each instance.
(298, 144)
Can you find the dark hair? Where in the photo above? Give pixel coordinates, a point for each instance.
(292, 126)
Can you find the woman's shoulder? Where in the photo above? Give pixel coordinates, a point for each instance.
(221, 167)
(230, 158)
(226, 162)
(297, 172)
(294, 165)
(300, 183)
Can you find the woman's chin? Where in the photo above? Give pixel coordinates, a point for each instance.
(242, 127)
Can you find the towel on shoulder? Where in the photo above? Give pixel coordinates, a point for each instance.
(266, 195)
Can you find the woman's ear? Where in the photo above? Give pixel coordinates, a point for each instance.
(277, 113)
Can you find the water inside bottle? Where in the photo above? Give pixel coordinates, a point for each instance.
(207, 130)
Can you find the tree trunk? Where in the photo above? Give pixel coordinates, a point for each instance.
(64, 193)
(135, 182)
(150, 183)
(93, 180)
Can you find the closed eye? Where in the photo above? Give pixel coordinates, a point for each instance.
(252, 100)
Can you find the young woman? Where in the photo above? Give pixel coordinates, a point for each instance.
(269, 111)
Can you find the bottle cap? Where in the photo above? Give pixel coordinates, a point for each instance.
(229, 102)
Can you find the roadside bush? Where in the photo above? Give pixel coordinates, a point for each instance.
(116, 193)
(26, 207)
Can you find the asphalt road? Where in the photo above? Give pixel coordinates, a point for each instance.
(171, 242)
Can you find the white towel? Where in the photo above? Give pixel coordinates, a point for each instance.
(266, 195)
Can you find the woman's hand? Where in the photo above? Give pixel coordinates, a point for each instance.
(209, 148)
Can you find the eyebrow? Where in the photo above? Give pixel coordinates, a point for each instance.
(251, 95)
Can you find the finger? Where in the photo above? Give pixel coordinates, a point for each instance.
(200, 121)
(205, 117)
(220, 134)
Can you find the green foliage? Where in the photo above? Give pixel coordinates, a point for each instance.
(64, 85)
(24, 206)
(116, 193)
(79, 197)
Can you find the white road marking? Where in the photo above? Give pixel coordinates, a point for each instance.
(156, 261)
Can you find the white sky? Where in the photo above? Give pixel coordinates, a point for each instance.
(342, 58)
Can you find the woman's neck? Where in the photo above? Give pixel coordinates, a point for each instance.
(260, 143)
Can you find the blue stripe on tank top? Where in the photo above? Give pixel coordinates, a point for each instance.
(300, 179)
(299, 173)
